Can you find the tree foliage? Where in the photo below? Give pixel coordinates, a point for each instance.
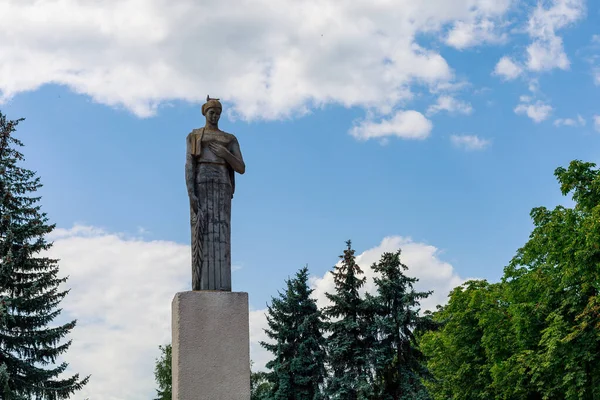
(295, 327)
(29, 286)
(553, 285)
(163, 373)
(476, 333)
(260, 386)
(397, 361)
(349, 341)
(536, 334)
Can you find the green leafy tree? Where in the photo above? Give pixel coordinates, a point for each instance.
(260, 386)
(553, 283)
(535, 335)
(295, 326)
(476, 335)
(349, 341)
(163, 373)
(397, 361)
(29, 284)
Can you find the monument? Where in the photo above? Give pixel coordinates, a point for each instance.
(210, 342)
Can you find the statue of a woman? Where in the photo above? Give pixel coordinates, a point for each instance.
(212, 158)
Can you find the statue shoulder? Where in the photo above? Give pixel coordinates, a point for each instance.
(193, 133)
(230, 136)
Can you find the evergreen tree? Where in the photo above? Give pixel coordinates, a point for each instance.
(397, 361)
(348, 344)
(28, 287)
(163, 373)
(295, 326)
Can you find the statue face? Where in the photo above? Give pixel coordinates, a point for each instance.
(213, 115)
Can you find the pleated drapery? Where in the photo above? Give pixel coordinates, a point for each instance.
(211, 229)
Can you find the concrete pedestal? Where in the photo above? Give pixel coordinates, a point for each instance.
(211, 350)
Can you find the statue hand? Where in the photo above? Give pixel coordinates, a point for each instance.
(219, 150)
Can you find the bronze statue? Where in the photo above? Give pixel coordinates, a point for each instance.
(212, 158)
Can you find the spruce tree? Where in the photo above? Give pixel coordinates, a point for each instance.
(348, 343)
(296, 326)
(29, 283)
(396, 359)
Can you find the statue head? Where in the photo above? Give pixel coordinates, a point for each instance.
(212, 110)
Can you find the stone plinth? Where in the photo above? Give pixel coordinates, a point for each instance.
(211, 350)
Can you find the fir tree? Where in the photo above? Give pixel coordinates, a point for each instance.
(348, 343)
(28, 287)
(295, 326)
(397, 361)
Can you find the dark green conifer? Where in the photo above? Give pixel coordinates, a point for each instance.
(29, 287)
(348, 343)
(295, 327)
(396, 359)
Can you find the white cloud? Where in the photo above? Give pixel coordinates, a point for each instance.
(267, 59)
(546, 55)
(574, 122)
(534, 85)
(484, 24)
(470, 142)
(404, 124)
(450, 104)
(525, 99)
(121, 293)
(258, 324)
(76, 230)
(468, 34)
(546, 51)
(597, 122)
(538, 111)
(507, 68)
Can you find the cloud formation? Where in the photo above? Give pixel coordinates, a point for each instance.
(269, 60)
(507, 69)
(573, 122)
(597, 122)
(538, 111)
(468, 34)
(451, 105)
(121, 292)
(470, 142)
(546, 51)
(404, 124)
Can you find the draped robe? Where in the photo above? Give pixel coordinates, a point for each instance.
(213, 183)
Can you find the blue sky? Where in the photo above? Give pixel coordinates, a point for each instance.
(437, 126)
